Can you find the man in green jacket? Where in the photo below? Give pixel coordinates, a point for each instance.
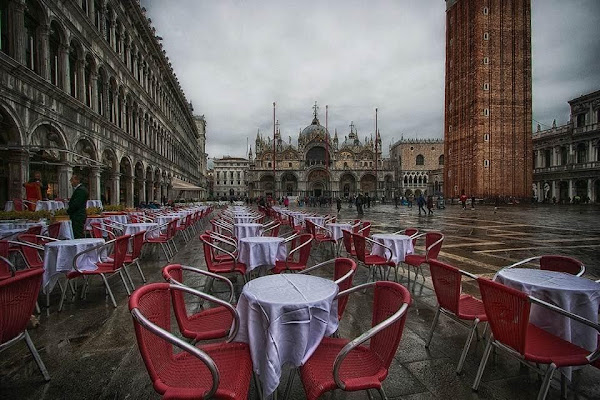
(77, 205)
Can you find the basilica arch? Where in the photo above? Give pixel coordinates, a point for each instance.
(267, 185)
(368, 184)
(289, 184)
(318, 183)
(347, 185)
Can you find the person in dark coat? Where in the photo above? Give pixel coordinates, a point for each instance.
(338, 203)
(421, 203)
(77, 205)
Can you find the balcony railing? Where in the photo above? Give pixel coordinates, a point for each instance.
(569, 167)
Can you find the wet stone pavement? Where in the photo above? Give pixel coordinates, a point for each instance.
(91, 353)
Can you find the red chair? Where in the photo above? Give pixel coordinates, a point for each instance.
(210, 323)
(356, 225)
(508, 310)
(320, 234)
(6, 267)
(18, 295)
(230, 266)
(30, 250)
(184, 226)
(164, 239)
(412, 232)
(104, 268)
(99, 232)
(301, 245)
(369, 260)
(365, 230)
(54, 230)
(296, 228)
(219, 370)
(458, 306)
(555, 263)
(272, 230)
(18, 204)
(433, 245)
(223, 241)
(351, 366)
(343, 273)
(137, 244)
(348, 242)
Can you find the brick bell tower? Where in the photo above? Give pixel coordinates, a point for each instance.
(487, 126)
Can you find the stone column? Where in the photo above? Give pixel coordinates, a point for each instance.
(590, 182)
(16, 13)
(92, 11)
(142, 193)
(571, 194)
(540, 192)
(94, 92)
(591, 155)
(115, 180)
(555, 151)
(95, 183)
(113, 22)
(130, 188)
(81, 86)
(64, 186)
(18, 173)
(63, 68)
(44, 55)
(554, 191)
(149, 190)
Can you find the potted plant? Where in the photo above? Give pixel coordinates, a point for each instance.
(93, 212)
(61, 215)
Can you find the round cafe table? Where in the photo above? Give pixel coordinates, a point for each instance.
(401, 245)
(283, 318)
(261, 251)
(336, 229)
(59, 255)
(247, 230)
(575, 294)
(151, 229)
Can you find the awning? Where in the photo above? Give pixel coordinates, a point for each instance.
(178, 184)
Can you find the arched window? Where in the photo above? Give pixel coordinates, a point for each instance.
(98, 15)
(441, 160)
(420, 180)
(108, 25)
(406, 180)
(88, 72)
(73, 71)
(424, 180)
(420, 160)
(32, 38)
(581, 153)
(84, 6)
(54, 49)
(100, 92)
(118, 38)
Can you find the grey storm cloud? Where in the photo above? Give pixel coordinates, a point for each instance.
(235, 58)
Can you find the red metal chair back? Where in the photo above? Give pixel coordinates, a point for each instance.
(560, 264)
(54, 230)
(507, 310)
(360, 245)
(174, 271)
(356, 226)
(304, 252)
(171, 229)
(431, 238)
(137, 243)
(120, 251)
(275, 231)
(18, 204)
(209, 256)
(5, 270)
(153, 301)
(342, 267)
(447, 284)
(411, 232)
(18, 295)
(366, 229)
(387, 300)
(347, 240)
(96, 231)
(34, 230)
(31, 255)
(310, 227)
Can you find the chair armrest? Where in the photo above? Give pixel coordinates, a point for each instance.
(28, 244)
(363, 228)
(233, 257)
(12, 268)
(226, 240)
(440, 240)
(270, 228)
(175, 341)
(106, 244)
(525, 261)
(290, 237)
(48, 238)
(382, 245)
(215, 276)
(365, 336)
(317, 226)
(594, 355)
(317, 266)
(307, 243)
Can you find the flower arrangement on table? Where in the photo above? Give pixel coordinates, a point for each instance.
(60, 215)
(27, 215)
(111, 207)
(94, 212)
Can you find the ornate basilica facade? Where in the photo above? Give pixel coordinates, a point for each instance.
(318, 165)
(85, 87)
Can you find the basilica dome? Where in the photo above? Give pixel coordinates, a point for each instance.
(312, 130)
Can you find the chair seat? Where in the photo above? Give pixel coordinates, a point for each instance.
(470, 308)
(208, 324)
(545, 348)
(160, 239)
(224, 267)
(319, 237)
(374, 259)
(414, 259)
(362, 369)
(280, 266)
(186, 377)
(129, 259)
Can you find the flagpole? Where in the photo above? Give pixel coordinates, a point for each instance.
(274, 179)
(376, 176)
(326, 139)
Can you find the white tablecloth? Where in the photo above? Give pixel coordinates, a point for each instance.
(151, 229)
(283, 319)
(65, 232)
(88, 222)
(93, 203)
(247, 230)
(9, 206)
(578, 295)
(165, 219)
(336, 229)
(58, 258)
(120, 218)
(401, 245)
(244, 220)
(49, 205)
(314, 219)
(258, 251)
(10, 234)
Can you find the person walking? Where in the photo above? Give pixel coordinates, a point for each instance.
(472, 202)
(77, 205)
(338, 203)
(286, 202)
(368, 198)
(410, 200)
(429, 205)
(396, 200)
(463, 200)
(359, 203)
(421, 204)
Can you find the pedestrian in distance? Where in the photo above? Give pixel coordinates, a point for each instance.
(338, 203)
(396, 201)
(472, 202)
(77, 206)
(463, 200)
(429, 205)
(421, 203)
(368, 200)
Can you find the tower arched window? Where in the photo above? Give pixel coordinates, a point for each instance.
(54, 53)
(581, 153)
(73, 71)
(441, 160)
(420, 160)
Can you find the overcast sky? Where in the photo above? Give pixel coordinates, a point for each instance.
(235, 58)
